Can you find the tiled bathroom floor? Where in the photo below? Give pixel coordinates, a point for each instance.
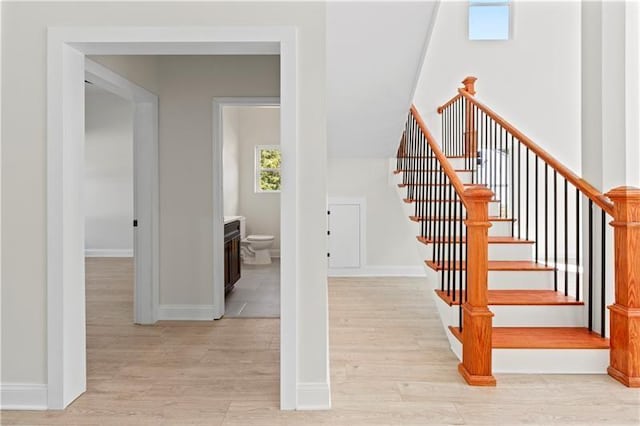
(256, 294)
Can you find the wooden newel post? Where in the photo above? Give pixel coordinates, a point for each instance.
(624, 359)
(470, 133)
(477, 318)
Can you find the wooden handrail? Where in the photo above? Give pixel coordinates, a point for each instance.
(585, 187)
(442, 159)
(448, 103)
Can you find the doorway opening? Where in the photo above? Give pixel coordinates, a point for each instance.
(249, 139)
(66, 320)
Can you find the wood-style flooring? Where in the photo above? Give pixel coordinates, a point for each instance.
(390, 365)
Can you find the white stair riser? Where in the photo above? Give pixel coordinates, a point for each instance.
(512, 280)
(496, 251)
(542, 361)
(497, 229)
(538, 316)
(550, 361)
(465, 177)
(522, 315)
(520, 280)
(445, 211)
(456, 163)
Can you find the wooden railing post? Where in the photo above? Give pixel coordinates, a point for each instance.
(477, 318)
(470, 134)
(624, 357)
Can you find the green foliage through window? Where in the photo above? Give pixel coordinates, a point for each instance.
(268, 168)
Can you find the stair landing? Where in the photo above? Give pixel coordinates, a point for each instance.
(542, 338)
(515, 297)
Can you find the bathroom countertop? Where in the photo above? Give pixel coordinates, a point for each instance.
(229, 219)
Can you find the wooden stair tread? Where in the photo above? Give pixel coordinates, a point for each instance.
(495, 265)
(413, 200)
(492, 240)
(491, 219)
(431, 156)
(542, 338)
(395, 172)
(516, 297)
(404, 185)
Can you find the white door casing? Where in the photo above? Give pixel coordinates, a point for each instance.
(66, 50)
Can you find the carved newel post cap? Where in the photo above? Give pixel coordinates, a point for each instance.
(478, 193)
(470, 85)
(624, 193)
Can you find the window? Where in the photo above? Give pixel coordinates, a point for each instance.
(489, 20)
(268, 161)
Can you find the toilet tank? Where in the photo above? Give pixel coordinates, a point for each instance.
(243, 227)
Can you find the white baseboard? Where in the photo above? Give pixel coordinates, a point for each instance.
(378, 271)
(108, 253)
(20, 396)
(186, 312)
(314, 396)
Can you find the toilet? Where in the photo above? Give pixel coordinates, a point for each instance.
(254, 249)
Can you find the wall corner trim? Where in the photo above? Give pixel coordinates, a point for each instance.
(23, 396)
(108, 252)
(186, 312)
(378, 271)
(314, 396)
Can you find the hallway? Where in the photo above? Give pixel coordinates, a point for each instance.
(390, 364)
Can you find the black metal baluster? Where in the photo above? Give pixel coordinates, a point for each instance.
(449, 233)
(519, 189)
(566, 239)
(577, 244)
(536, 214)
(555, 230)
(603, 274)
(590, 282)
(526, 198)
(546, 213)
(512, 184)
(441, 207)
(455, 234)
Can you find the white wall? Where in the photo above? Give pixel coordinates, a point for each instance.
(108, 187)
(390, 240)
(532, 80)
(187, 86)
(611, 93)
(185, 164)
(244, 129)
(374, 51)
(258, 126)
(231, 161)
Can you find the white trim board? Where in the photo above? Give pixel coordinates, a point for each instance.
(186, 312)
(23, 396)
(218, 190)
(378, 271)
(108, 253)
(66, 50)
(314, 396)
(146, 205)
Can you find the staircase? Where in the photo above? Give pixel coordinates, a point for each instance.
(517, 249)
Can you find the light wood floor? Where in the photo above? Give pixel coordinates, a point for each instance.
(390, 365)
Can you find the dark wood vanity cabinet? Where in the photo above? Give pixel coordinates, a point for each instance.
(231, 254)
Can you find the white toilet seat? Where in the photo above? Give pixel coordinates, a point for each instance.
(260, 238)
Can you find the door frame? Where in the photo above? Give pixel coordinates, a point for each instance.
(146, 205)
(66, 50)
(218, 189)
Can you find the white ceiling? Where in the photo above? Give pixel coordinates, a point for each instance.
(374, 54)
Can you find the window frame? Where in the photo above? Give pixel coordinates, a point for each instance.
(485, 3)
(258, 169)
